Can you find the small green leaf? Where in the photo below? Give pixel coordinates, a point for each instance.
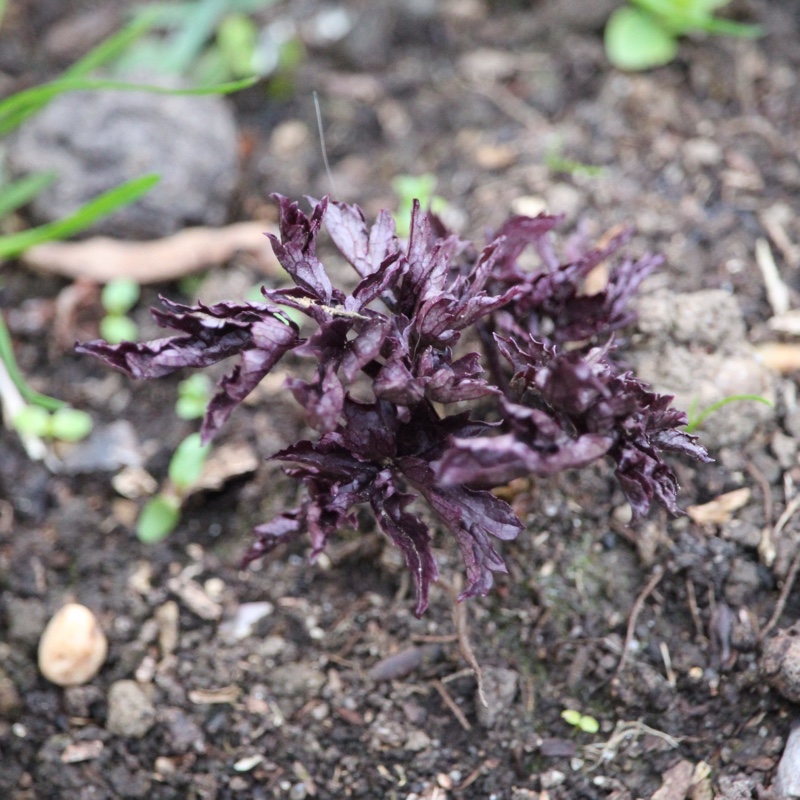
(237, 37)
(196, 385)
(187, 462)
(120, 295)
(70, 424)
(588, 724)
(158, 519)
(193, 396)
(634, 40)
(33, 420)
(571, 716)
(116, 328)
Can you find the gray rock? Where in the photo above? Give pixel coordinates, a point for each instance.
(182, 732)
(27, 618)
(97, 140)
(780, 662)
(694, 349)
(787, 779)
(296, 680)
(130, 711)
(499, 687)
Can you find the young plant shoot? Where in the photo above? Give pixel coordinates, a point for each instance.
(385, 370)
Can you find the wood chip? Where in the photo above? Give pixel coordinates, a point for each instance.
(195, 598)
(82, 751)
(102, 259)
(781, 358)
(720, 509)
(788, 323)
(777, 290)
(676, 782)
(225, 694)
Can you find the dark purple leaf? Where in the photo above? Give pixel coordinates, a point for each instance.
(408, 532)
(296, 249)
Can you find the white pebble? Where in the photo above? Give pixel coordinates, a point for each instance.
(73, 647)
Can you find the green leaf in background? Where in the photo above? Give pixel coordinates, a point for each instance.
(123, 195)
(120, 295)
(116, 328)
(237, 38)
(158, 519)
(70, 424)
(19, 193)
(187, 462)
(113, 46)
(634, 40)
(17, 108)
(193, 396)
(33, 420)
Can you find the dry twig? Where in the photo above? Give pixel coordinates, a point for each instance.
(635, 611)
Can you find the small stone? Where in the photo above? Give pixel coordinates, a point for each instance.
(298, 679)
(130, 710)
(787, 779)
(182, 732)
(780, 662)
(10, 701)
(417, 741)
(499, 687)
(244, 619)
(73, 647)
(27, 617)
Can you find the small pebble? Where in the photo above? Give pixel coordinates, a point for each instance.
(499, 688)
(130, 711)
(780, 662)
(73, 647)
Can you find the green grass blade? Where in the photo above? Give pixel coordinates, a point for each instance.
(123, 195)
(17, 108)
(110, 48)
(695, 423)
(17, 194)
(185, 45)
(7, 357)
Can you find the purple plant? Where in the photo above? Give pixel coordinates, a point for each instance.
(385, 365)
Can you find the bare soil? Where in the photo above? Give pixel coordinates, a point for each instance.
(702, 157)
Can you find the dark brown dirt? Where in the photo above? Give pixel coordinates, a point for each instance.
(702, 157)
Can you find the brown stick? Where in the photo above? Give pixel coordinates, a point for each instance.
(635, 611)
(451, 704)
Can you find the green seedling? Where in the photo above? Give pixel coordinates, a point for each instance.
(644, 34)
(193, 396)
(161, 514)
(211, 41)
(66, 424)
(697, 419)
(556, 162)
(408, 188)
(118, 298)
(580, 721)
